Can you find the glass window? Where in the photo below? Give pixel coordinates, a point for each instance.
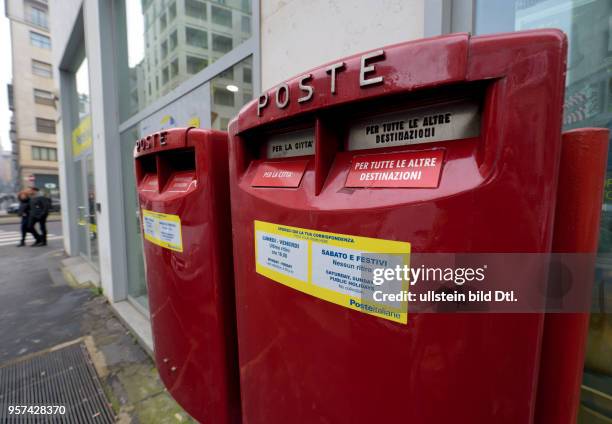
(221, 16)
(227, 74)
(588, 103)
(221, 43)
(81, 145)
(246, 97)
(223, 97)
(44, 153)
(163, 23)
(39, 40)
(229, 95)
(165, 76)
(196, 64)
(38, 17)
(44, 97)
(195, 9)
(245, 6)
(46, 126)
(174, 68)
(42, 69)
(136, 282)
(193, 21)
(245, 24)
(196, 37)
(172, 11)
(173, 41)
(164, 50)
(247, 75)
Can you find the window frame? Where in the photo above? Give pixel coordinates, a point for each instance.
(42, 65)
(41, 23)
(219, 8)
(40, 40)
(45, 125)
(43, 154)
(47, 98)
(201, 4)
(196, 30)
(219, 36)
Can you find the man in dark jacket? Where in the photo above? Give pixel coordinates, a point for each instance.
(24, 213)
(39, 210)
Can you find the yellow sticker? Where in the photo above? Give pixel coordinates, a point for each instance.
(81, 137)
(163, 229)
(338, 268)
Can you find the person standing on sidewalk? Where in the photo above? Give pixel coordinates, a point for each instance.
(39, 210)
(24, 213)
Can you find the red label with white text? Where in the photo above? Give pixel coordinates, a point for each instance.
(406, 169)
(280, 174)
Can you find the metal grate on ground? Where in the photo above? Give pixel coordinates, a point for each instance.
(64, 377)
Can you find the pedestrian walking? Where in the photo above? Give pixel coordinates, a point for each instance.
(24, 213)
(39, 211)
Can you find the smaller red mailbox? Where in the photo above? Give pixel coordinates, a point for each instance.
(182, 181)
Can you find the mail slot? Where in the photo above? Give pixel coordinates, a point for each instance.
(448, 144)
(182, 182)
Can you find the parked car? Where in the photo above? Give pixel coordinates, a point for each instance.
(13, 208)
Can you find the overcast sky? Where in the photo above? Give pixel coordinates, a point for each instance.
(5, 77)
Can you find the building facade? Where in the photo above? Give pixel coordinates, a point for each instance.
(33, 95)
(13, 140)
(6, 172)
(125, 69)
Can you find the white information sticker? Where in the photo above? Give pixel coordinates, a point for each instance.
(451, 121)
(295, 143)
(282, 254)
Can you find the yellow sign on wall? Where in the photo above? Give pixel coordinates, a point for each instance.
(81, 137)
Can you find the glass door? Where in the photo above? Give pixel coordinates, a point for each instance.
(137, 284)
(82, 152)
(86, 195)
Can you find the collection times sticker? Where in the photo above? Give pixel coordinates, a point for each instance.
(163, 230)
(334, 267)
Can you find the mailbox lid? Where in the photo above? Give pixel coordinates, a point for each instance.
(189, 277)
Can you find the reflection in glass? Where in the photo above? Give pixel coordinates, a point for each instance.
(137, 286)
(230, 90)
(82, 152)
(169, 41)
(588, 103)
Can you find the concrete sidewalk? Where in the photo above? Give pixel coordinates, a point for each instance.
(42, 311)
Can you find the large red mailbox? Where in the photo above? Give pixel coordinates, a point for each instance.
(449, 144)
(182, 181)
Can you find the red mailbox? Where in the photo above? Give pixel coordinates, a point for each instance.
(182, 181)
(449, 144)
